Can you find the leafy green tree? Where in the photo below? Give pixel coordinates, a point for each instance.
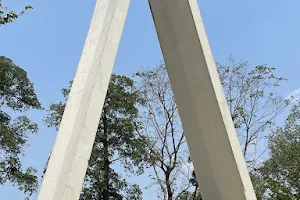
(16, 95)
(281, 171)
(116, 142)
(8, 16)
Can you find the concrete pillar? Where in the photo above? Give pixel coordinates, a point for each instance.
(72, 149)
(210, 133)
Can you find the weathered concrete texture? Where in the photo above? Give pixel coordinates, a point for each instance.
(210, 133)
(69, 160)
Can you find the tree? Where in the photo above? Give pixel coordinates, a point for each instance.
(281, 172)
(8, 16)
(166, 142)
(116, 142)
(253, 103)
(17, 95)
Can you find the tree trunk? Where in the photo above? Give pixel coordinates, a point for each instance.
(168, 183)
(106, 160)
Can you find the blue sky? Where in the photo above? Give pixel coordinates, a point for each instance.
(48, 42)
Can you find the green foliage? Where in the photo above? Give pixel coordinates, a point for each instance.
(259, 185)
(134, 193)
(281, 171)
(17, 95)
(8, 16)
(56, 111)
(116, 142)
(190, 196)
(16, 90)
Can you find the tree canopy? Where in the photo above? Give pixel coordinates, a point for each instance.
(116, 142)
(281, 171)
(16, 95)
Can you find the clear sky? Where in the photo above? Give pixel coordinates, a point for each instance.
(48, 42)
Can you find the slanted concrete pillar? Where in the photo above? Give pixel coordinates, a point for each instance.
(207, 123)
(72, 149)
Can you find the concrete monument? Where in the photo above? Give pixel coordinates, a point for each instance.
(210, 133)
